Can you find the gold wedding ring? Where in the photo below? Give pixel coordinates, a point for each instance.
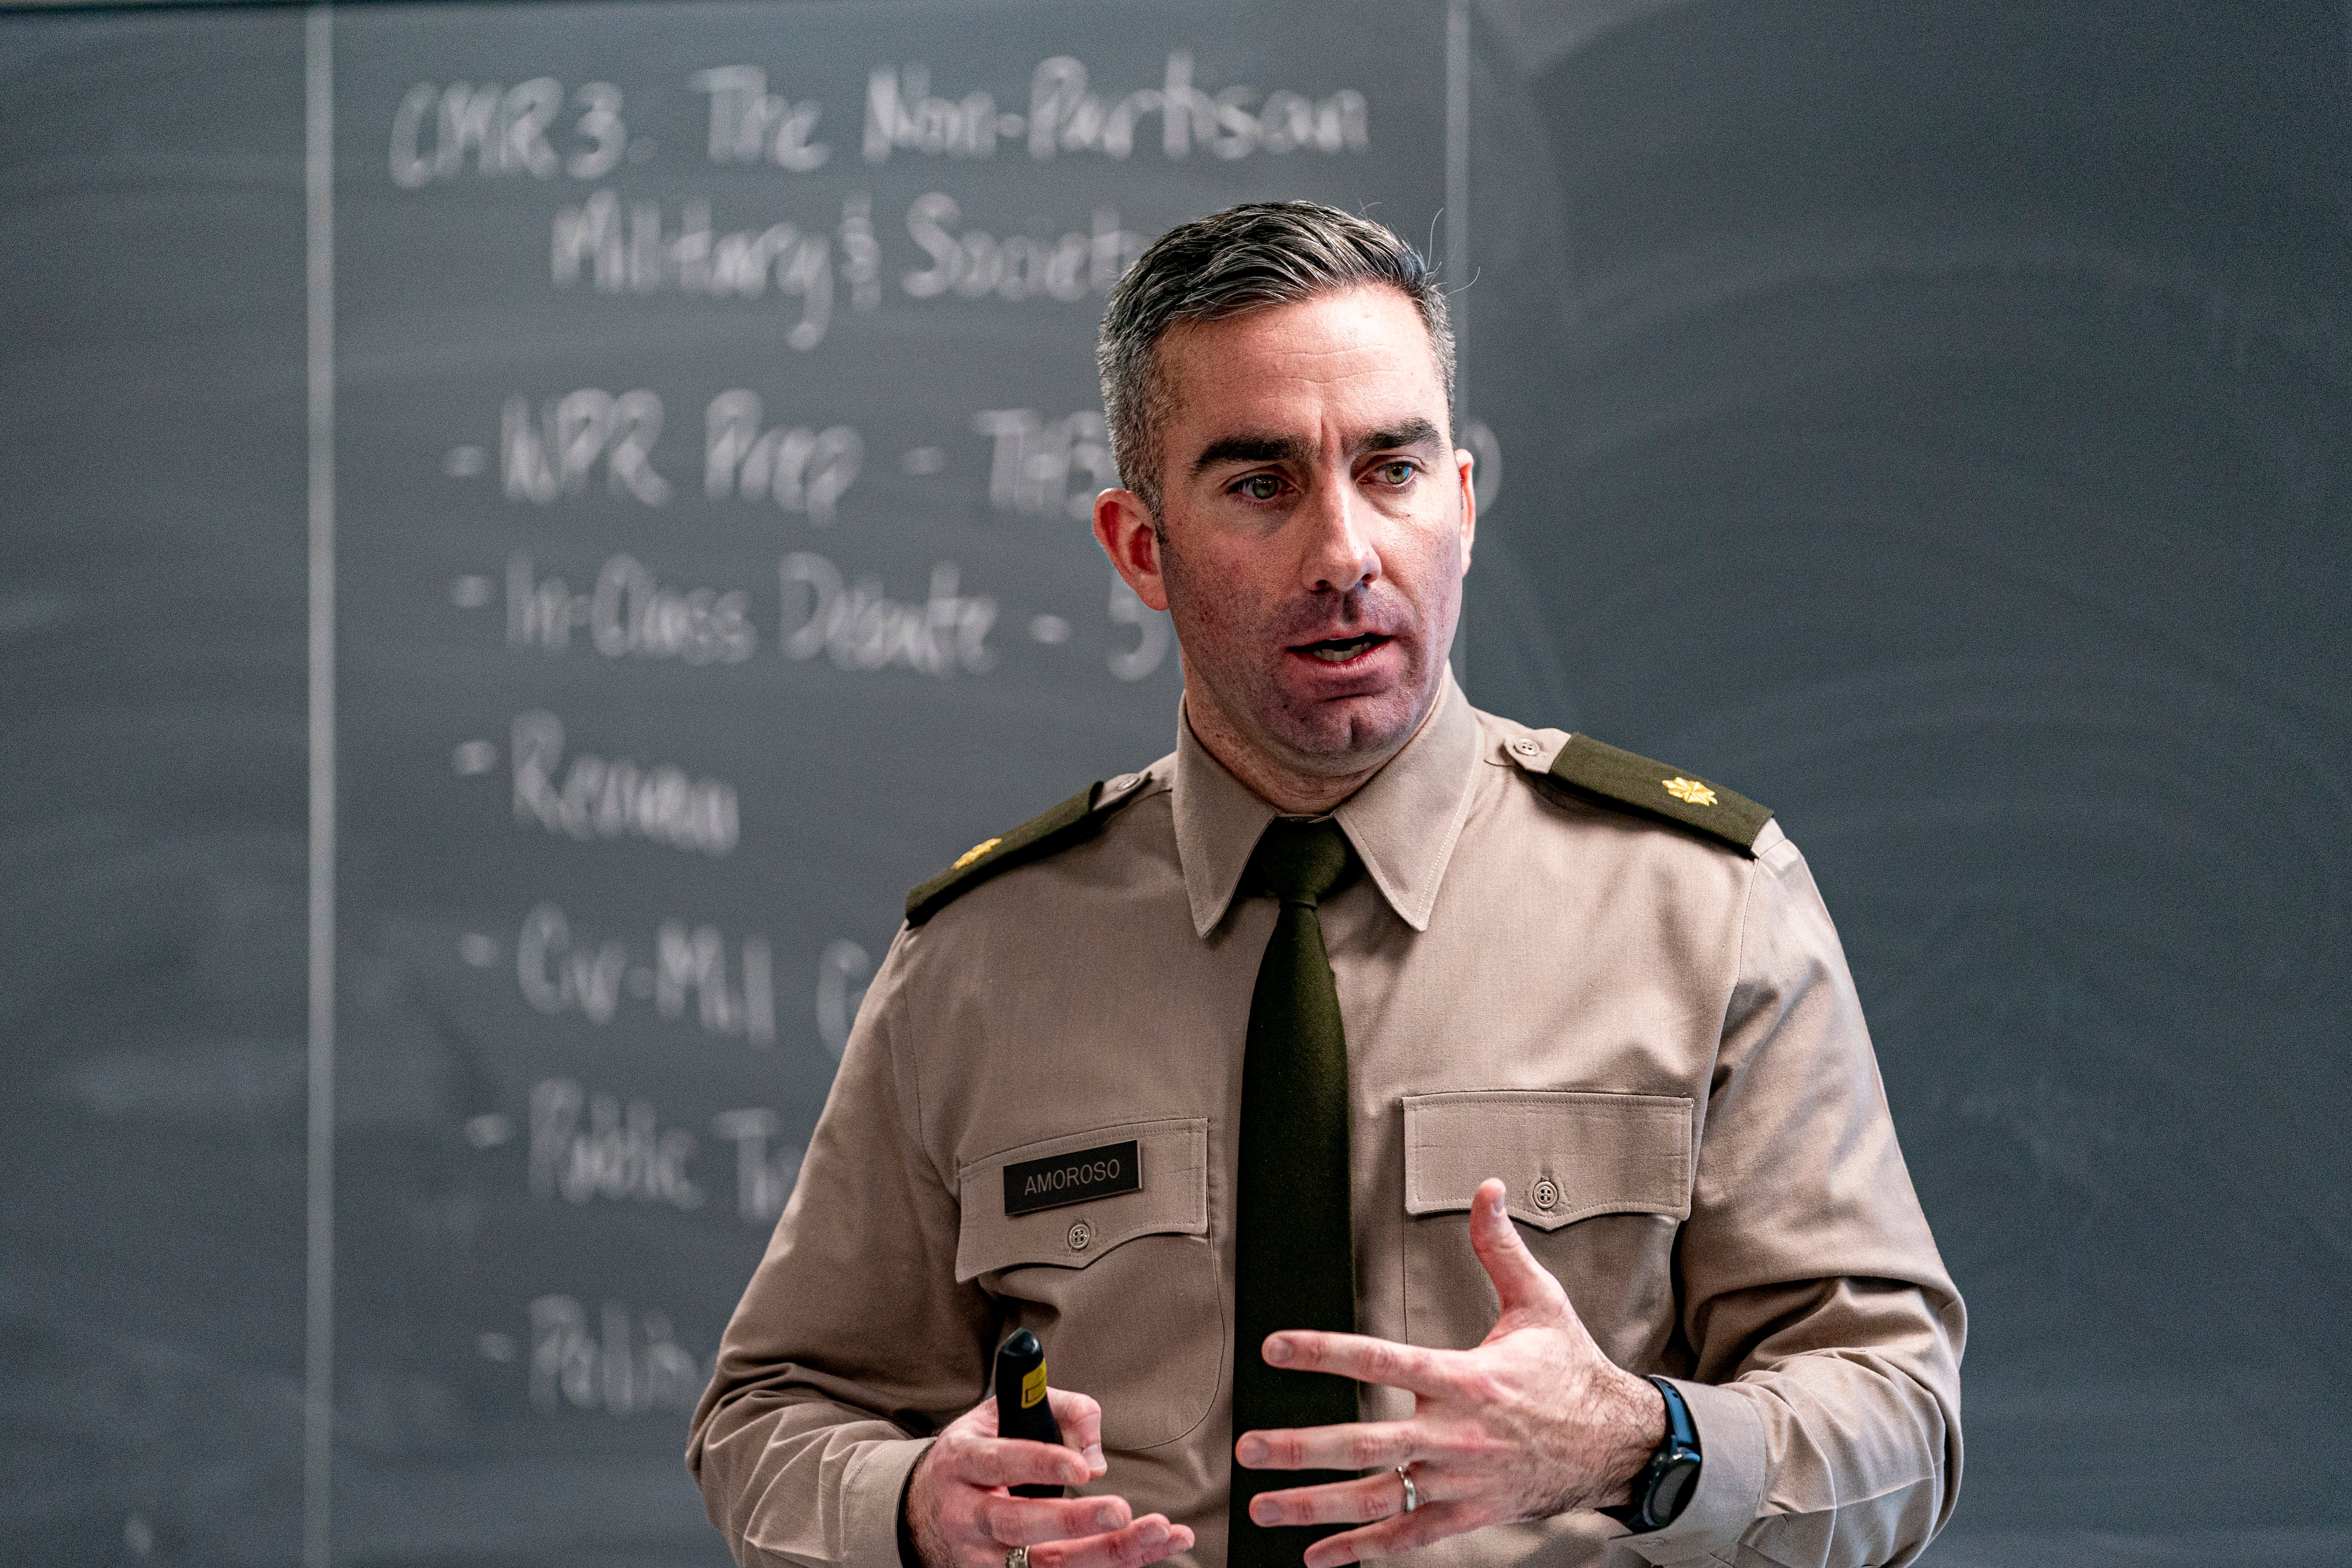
(1412, 1494)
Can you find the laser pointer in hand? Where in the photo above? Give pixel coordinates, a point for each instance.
(1021, 1408)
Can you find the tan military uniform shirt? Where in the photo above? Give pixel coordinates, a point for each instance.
(1650, 1036)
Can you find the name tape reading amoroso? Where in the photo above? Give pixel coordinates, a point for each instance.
(1072, 1178)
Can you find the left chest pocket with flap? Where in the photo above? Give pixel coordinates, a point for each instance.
(1120, 1284)
(1565, 1156)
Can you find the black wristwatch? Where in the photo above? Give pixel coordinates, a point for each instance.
(1664, 1485)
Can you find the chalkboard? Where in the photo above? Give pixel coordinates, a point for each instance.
(530, 526)
(717, 428)
(714, 429)
(1944, 436)
(153, 934)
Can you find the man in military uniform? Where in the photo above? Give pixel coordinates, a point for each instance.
(1408, 1131)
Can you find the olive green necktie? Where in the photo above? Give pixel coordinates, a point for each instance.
(1292, 1258)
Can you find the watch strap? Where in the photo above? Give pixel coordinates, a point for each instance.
(1676, 1452)
(1680, 1429)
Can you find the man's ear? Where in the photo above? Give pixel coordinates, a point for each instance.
(1464, 462)
(1123, 526)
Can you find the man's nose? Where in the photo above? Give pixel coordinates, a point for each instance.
(1338, 554)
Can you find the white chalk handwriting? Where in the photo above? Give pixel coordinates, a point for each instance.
(625, 1364)
(972, 262)
(841, 975)
(643, 251)
(630, 614)
(616, 1153)
(1035, 460)
(616, 798)
(1153, 634)
(544, 459)
(562, 971)
(803, 470)
(1065, 115)
(749, 124)
(858, 626)
(763, 1176)
(442, 133)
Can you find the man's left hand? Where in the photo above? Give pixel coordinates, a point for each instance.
(1534, 1422)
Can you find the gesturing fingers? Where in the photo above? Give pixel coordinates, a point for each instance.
(1011, 1462)
(1147, 1539)
(1080, 1419)
(1525, 1287)
(1028, 1521)
(1355, 1446)
(1338, 1502)
(1384, 1361)
(1398, 1532)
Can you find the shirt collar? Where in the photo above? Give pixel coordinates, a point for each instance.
(1403, 822)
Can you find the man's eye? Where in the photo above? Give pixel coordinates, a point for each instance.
(1260, 487)
(1397, 473)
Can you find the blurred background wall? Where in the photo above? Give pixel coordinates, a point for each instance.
(1930, 418)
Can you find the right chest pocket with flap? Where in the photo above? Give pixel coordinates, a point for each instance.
(1122, 1288)
(1598, 1183)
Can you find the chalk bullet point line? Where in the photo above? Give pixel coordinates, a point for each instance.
(490, 1130)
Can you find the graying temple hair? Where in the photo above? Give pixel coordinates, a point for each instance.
(1257, 254)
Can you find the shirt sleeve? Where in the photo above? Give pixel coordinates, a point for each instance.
(1825, 1332)
(853, 1342)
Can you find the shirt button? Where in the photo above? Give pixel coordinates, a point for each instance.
(1547, 1195)
(1080, 1234)
(1527, 745)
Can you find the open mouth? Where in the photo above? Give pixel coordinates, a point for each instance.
(1340, 650)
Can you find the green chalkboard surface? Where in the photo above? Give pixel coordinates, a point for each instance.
(528, 526)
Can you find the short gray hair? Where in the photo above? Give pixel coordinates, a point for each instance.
(1245, 258)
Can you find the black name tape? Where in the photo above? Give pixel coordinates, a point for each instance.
(1072, 1178)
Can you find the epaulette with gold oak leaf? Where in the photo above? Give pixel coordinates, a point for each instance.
(1624, 781)
(1079, 818)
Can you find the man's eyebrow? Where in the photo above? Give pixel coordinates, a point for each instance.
(1254, 446)
(1248, 448)
(1412, 433)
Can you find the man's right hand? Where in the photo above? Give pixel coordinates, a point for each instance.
(963, 1516)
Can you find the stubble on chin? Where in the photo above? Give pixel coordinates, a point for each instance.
(1320, 737)
(1352, 733)
(1236, 651)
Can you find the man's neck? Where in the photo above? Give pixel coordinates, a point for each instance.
(1290, 791)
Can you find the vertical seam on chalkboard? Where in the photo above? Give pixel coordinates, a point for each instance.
(1457, 248)
(318, 1208)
